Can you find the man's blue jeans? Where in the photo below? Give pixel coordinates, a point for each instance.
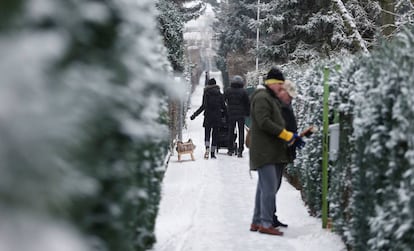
(270, 177)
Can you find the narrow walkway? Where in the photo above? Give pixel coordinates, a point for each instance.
(207, 205)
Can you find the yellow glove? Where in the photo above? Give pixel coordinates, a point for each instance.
(286, 135)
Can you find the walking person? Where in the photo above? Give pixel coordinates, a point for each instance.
(269, 148)
(213, 106)
(238, 107)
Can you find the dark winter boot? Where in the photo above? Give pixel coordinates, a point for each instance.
(277, 223)
(240, 155)
(213, 155)
(230, 153)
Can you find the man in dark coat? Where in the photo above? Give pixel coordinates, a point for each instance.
(291, 125)
(238, 107)
(213, 106)
(269, 148)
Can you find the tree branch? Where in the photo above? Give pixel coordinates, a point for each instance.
(350, 21)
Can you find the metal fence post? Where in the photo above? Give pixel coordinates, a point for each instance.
(325, 147)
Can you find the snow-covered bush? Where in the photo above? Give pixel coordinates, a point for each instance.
(371, 183)
(340, 185)
(308, 110)
(82, 146)
(306, 172)
(171, 24)
(383, 131)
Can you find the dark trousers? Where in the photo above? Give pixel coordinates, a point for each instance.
(213, 131)
(279, 182)
(240, 126)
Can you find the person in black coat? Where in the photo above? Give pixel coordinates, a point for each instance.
(238, 107)
(291, 125)
(289, 116)
(214, 107)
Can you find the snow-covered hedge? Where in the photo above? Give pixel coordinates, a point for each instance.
(371, 191)
(308, 105)
(383, 161)
(81, 144)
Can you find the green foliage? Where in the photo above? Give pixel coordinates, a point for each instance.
(293, 31)
(171, 24)
(232, 26)
(363, 183)
(82, 144)
(371, 183)
(234, 32)
(8, 8)
(171, 19)
(383, 115)
(123, 214)
(307, 167)
(340, 187)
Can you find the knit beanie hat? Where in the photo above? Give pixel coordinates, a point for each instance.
(211, 81)
(274, 76)
(237, 80)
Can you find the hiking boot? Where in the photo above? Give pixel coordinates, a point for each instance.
(270, 230)
(213, 155)
(239, 155)
(230, 153)
(277, 223)
(206, 154)
(254, 227)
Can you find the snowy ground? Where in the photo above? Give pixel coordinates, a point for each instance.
(208, 204)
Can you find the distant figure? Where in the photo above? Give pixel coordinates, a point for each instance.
(213, 106)
(238, 107)
(207, 78)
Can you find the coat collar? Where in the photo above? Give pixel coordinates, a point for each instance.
(209, 87)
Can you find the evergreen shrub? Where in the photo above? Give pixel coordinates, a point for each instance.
(371, 198)
(83, 148)
(383, 175)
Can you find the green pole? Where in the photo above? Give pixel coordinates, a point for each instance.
(325, 147)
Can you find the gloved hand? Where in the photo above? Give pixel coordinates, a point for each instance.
(297, 141)
(192, 117)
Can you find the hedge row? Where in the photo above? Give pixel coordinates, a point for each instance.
(83, 88)
(371, 184)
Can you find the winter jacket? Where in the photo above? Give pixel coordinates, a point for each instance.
(291, 125)
(267, 123)
(237, 100)
(213, 106)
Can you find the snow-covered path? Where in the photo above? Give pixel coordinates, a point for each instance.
(208, 204)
